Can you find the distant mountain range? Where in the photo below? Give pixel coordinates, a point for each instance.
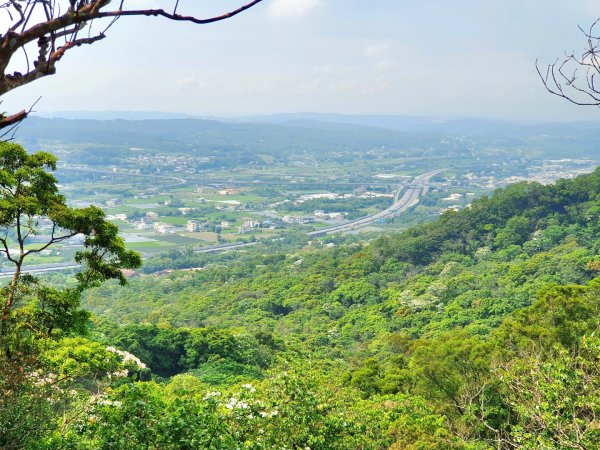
(112, 115)
(423, 124)
(283, 135)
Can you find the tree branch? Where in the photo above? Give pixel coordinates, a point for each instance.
(7, 251)
(66, 25)
(12, 122)
(564, 78)
(175, 16)
(13, 119)
(52, 241)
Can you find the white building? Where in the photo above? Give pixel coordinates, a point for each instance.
(142, 225)
(292, 219)
(192, 226)
(164, 228)
(114, 202)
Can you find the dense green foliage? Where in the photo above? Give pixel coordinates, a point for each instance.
(29, 196)
(39, 355)
(459, 271)
(477, 331)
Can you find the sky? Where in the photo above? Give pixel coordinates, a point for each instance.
(463, 58)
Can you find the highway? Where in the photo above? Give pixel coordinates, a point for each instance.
(418, 187)
(35, 270)
(223, 247)
(178, 181)
(73, 168)
(409, 198)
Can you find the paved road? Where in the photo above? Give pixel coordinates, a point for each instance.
(40, 269)
(223, 247)
(418, 187)
(178, 181)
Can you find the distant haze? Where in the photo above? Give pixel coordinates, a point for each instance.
(316, 134)
(464, 58)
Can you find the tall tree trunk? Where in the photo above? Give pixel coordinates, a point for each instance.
(12, 289)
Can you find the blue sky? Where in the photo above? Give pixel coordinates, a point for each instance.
(425, 57)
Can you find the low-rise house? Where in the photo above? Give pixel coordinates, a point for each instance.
(192, 226)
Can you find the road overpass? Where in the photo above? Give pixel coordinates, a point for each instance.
(410, 197)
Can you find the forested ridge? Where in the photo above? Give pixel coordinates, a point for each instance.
(476, 331)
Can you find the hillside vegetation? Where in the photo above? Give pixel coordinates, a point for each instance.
(285, 141)
(476, 331)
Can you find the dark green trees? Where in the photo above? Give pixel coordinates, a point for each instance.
(31, 205)
(38, 364)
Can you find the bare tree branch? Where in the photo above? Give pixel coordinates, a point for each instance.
(12, 122)
(574, 77)
(49, 31)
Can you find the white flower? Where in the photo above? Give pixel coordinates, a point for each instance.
(127, 357)
(120, 373)
(235, 403)
(211, 394)
(106, 402)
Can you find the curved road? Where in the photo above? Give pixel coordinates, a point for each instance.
(178, 181)
(418, 187)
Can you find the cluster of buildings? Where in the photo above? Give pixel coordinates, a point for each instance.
(250, 225)
(322, 215)
(169, 163)
(113, 202)
(151, 222)
(332, 196)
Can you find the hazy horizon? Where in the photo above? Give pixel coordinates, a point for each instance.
(107, 114)
(431, 58)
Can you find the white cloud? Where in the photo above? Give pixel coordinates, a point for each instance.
(185, 81)
(376, 51)
(379, 55)
(292, 8)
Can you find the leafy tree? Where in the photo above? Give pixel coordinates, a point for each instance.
(40, 391)
(355, 292)
(29, 200)
(34, 316)
(561, 315)
(555, 397)
(445, 367)
(515, 232)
